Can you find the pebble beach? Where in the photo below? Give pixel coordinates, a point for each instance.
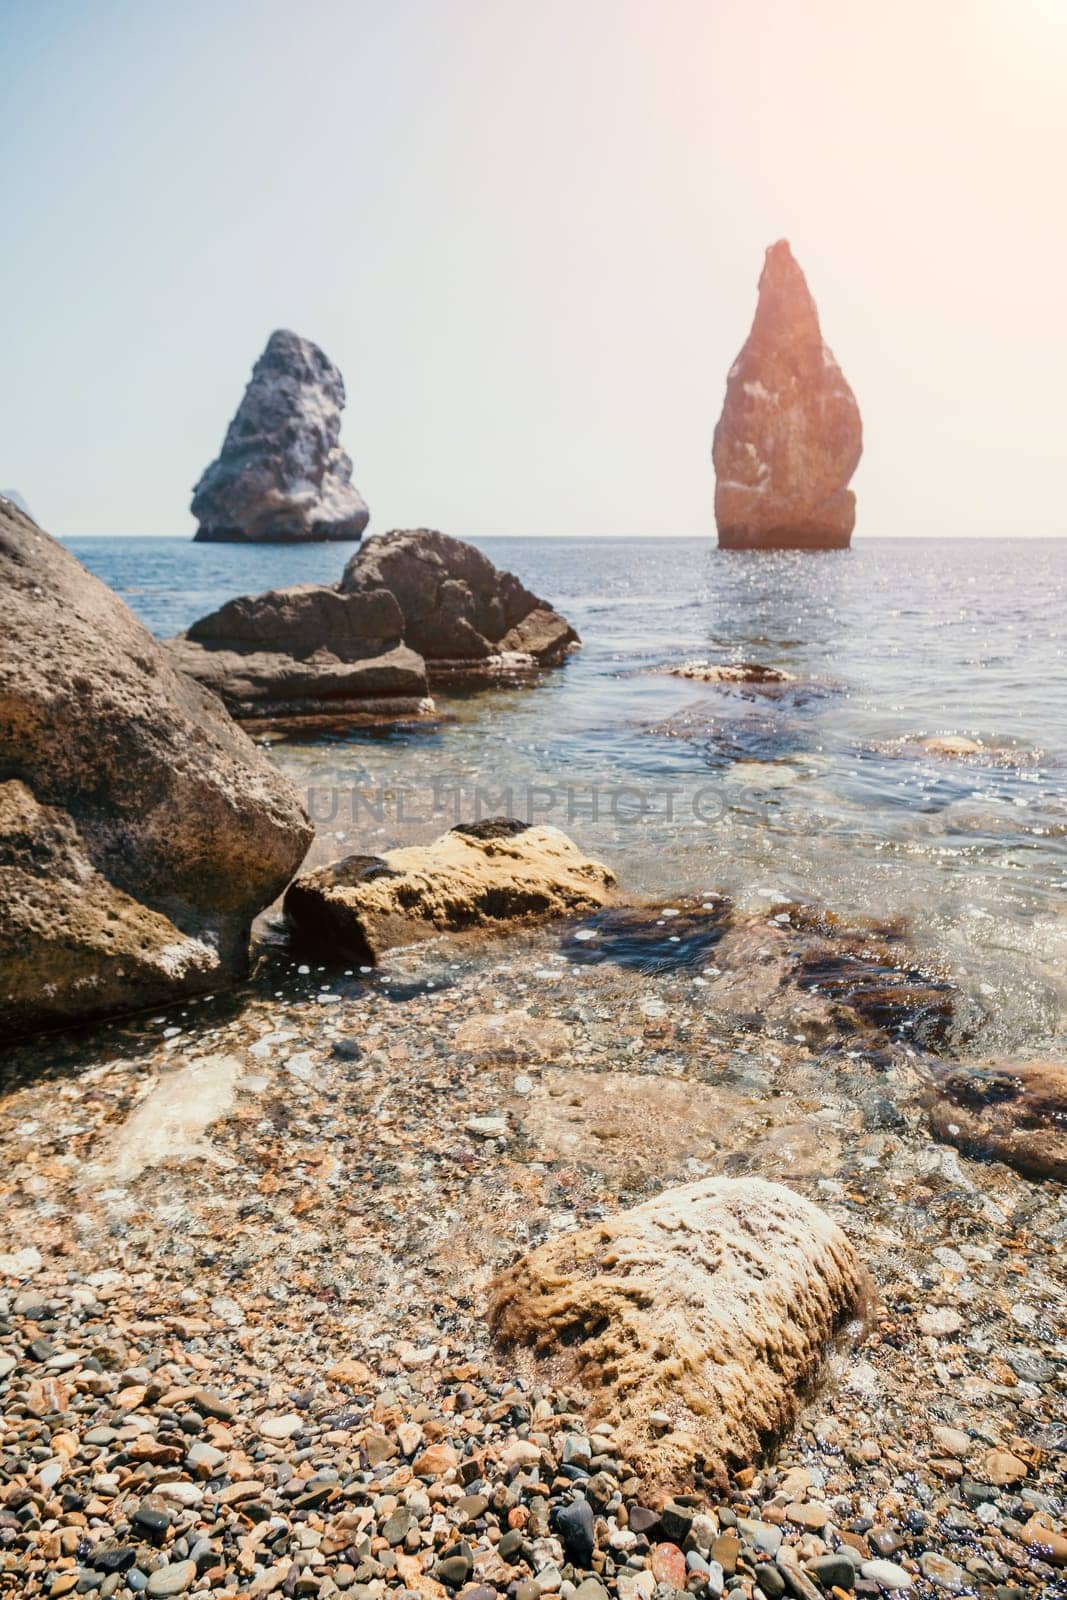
(242, 1336)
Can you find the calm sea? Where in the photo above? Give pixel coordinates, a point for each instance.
(817, 791)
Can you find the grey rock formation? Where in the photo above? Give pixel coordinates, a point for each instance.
(140, 829)
(307, 651)
(789, 438)
(459, 609)
(282, 474)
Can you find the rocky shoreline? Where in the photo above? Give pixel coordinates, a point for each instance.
(499, 1235)
(249, 1355)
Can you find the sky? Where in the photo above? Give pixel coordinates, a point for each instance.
(529, 232)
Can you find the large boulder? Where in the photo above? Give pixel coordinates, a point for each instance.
(460, 611)
(480, 875)
(789, 437)
(1010, 1111)
(712, 1305)
(307, 650)
(282, 474)
(140, 829)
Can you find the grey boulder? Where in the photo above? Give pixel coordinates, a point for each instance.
(459, 610)
(140, 829)
(305, 651)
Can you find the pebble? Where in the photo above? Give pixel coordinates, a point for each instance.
(887, 1574)
(574, 1524)
(668, 1565)
(943, 1572)
(171, 1580)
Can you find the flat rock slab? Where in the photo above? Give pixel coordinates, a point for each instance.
(713, 1303)
(745, 672)
(481, 875)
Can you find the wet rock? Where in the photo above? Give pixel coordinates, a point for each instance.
(833, 1572)
(951, 744)
(789, 438)
(684, 1299)
(744, 672)
(1012, 1111)
(887, 1574)
(170, 1580)
(307, 651)
(679, 937)
(481, 875)
(459, 611)
(1048, 1542)
(942, 1572)
(140, 830)
(282, 474)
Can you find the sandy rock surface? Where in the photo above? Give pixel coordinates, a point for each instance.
(478, 875)
(709, 1308)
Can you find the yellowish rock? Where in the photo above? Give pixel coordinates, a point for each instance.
(951, 744)
(1000, 1467)
(479, 875)
(712, 1303)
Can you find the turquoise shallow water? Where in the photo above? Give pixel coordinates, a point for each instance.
(816, 791)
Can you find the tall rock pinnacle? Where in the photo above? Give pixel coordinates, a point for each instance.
(789, 437)
(282, 474)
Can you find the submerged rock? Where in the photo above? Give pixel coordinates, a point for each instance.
(282, 474)
(307, 650)
(478, 875)
(789, 437)
(1012, 1111)
(951, 744)
(140, 830)
(746, 672)
(713, 1303)
(459, 610)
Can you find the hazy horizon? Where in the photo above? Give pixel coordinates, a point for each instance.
(530, 238)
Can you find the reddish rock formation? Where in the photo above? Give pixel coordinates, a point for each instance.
(789, 437)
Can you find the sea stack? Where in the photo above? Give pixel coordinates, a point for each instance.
(282, 476)
(789, 437)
